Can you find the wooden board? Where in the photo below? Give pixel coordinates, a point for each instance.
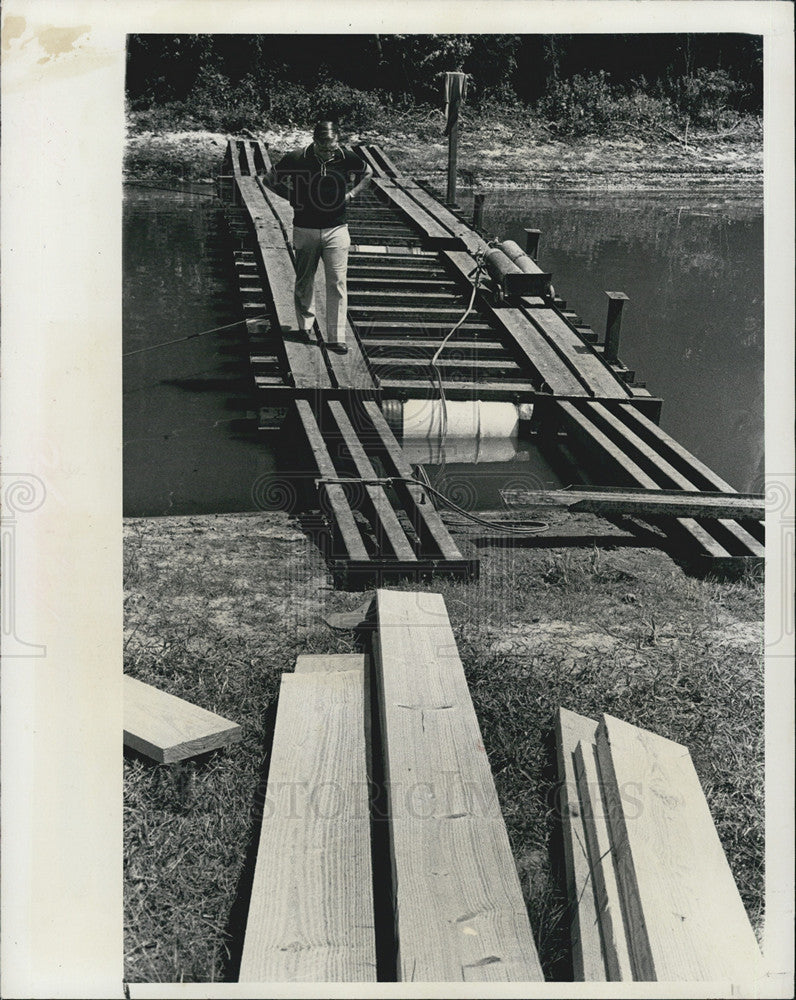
(602, 865)
(679, 503)
(344, 524)
(350, 371)
(591, 369)
(459, 909)
(383, 518)
(587, 958)
(427, 523)
(430, 228)
(596, 443)
(685, 919)
(528, 343)
(323, 663)
(167, 728)
(311, 911)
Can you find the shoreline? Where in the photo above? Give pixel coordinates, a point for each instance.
(489, 158)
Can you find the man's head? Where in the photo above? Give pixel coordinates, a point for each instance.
(326, 138)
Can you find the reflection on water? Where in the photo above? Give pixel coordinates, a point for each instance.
(693, 329)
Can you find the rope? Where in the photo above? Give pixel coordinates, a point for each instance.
(192, 336)
(477, 272)
(530, 527)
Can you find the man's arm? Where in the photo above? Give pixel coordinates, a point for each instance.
(363, 182)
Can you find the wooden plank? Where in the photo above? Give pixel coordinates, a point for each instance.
(679, 503)
(666, 474)
(383, 518)
(602, 865)
(249, 154)
(599, 445)
(350, 371)
(345, 524)
(167, 729)
(684, 916)
(471, 240)
(324, 663)
(427, 523)
(458, 905)
(598, 377)
(588, 962)
(690, 465)
(388, 164)
(517, 392)
(528, 342)
(311, 911)
(433, 231)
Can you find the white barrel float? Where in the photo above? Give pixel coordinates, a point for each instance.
(519, 257)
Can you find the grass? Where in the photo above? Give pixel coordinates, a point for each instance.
(217, 607)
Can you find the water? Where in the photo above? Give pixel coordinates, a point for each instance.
(691, 264)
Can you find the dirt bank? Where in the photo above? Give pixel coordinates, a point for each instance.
(492, 156)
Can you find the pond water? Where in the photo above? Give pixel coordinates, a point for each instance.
(692, 265)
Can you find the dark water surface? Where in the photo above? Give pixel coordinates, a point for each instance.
(691, 264)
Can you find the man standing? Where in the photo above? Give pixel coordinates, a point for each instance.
(317, 180)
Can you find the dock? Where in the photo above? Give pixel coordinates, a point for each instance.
(415, 267)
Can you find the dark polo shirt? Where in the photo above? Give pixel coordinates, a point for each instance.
(317, 191)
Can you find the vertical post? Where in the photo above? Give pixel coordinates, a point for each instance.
(478, 210)
(532, 242)
(613, 325)
(453, 155)
(455, 89)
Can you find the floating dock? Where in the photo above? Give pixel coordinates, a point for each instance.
(415, 267)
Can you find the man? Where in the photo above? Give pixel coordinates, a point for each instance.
(317, 179)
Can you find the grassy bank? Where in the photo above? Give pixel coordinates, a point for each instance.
(217, 607)
(490, 155)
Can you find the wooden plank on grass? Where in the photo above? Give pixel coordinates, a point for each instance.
(459, 909)
(587, 957)
(167, 728)
(311, 911)
(602, 865)
(684, 917)
(313, 663)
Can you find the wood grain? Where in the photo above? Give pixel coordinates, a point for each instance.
(311, 911)
(602, 865)
(459, 909)
(167, 728)
(684, 916)
(587, 957)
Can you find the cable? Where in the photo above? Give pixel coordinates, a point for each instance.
(538, 526)
(192, 336)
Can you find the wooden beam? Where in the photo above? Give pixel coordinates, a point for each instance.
(607, 500)
(167, 729)
(384, 521)
(433, 534)
(459, 909)
(311, 911)
(684, 916)
(601, 865)
(324, 663)
(433, 231)
(344, 527)
(587, 957)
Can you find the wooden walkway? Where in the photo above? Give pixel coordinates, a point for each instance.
(412, 269)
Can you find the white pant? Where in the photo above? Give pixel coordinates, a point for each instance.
(330, 245)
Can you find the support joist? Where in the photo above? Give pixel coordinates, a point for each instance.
(459, 909)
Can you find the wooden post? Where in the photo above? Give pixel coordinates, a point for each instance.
(532, 242)
(478, 210)
(613, 325)
(453, 154)
(455, 88)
